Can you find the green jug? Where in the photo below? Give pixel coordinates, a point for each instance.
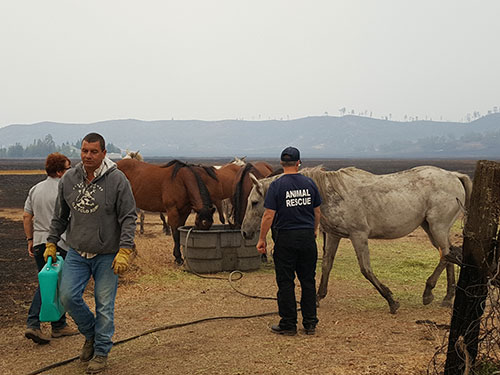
(48, 278)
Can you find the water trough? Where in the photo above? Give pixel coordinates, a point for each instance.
(218, 249)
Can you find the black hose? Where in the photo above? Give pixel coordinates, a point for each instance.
(157, 329)
(178, 325)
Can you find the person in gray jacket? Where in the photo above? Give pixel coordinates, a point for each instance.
(96, 208)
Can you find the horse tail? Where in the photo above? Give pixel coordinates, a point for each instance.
(467, 184)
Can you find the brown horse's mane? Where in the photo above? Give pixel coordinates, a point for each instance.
(238, 191)
(276, 172)
(180, 164)
(204, 193)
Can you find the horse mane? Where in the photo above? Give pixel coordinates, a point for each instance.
(204, 193)
(336, 182)
(238, 191)
(210, 171)
(177, 166)
(180, 164)
(276, 172)
(328, 182)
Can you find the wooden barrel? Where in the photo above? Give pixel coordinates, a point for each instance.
(218, 249)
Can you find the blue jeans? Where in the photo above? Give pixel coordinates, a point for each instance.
(75, 277)
(33, 320)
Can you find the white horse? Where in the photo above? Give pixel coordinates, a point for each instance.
(359, 205)
(166, 228)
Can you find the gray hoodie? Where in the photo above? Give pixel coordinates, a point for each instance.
(99, 217)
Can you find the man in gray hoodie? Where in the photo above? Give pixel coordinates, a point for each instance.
(96, 208)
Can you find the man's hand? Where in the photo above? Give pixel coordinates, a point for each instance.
(30, 249)
(261, 247)
(50, 251)
(121, 261)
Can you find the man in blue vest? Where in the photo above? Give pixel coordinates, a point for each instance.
(293, 203)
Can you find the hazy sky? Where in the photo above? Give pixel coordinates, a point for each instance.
(92, 60)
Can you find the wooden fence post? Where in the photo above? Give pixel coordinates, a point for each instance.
(479, 260)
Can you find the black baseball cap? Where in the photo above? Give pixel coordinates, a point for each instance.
(290, 154)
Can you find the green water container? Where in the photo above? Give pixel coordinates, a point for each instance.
(48, 278)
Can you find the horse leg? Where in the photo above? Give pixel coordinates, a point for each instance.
(330, 247)
(218, 205)
(141, 220)
(176, 235)
(439, 239)
(175, 220)
(166, 227)
(451, 285)
(360, 243)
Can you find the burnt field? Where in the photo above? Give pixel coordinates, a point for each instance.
(14, 187)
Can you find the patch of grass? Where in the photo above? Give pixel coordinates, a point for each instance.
(403, 265)
(486, 368)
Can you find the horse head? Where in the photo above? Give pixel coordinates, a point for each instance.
(200, 198)
(204, 218)
(255, 207)
(240, 162)
(133, 155)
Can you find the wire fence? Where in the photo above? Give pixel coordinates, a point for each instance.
(488, 356)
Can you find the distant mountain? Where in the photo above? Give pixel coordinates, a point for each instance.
(316, 137)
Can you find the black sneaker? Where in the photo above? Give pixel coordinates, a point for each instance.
(310, 330)
(283, 331)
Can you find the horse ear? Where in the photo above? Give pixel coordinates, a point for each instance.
(256, 183)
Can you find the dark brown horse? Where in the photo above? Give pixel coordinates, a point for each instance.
(175, 188)
(242, 187)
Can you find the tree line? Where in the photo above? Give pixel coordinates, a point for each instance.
(43, 147)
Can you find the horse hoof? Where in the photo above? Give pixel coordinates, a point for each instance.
(179, 262)
(427, 299)
(394, 307)
(446, 303)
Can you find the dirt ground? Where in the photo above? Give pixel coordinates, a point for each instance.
(350, 339)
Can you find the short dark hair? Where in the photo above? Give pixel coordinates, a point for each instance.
(288, 163)
(54, 163)
(95, 137)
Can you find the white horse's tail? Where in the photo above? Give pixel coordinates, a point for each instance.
(467, 184)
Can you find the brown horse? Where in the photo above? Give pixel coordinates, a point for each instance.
(226, 176)
(140, 213)
(243, 185)
(175, 188)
